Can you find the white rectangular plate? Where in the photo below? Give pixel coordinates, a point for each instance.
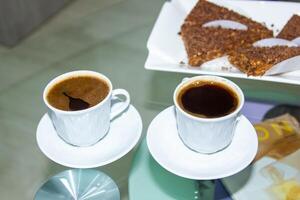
(166, 49)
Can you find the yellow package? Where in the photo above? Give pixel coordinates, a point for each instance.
(278, 137)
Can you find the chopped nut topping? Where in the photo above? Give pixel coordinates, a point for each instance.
(206, 43)
(292, 29)
(256, 61)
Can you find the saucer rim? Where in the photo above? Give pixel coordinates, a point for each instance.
(213, 177)
(84, 166)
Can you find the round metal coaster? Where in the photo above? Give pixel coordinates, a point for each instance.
(79, 184)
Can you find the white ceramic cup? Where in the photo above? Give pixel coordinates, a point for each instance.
(86, 127)
(207, 135)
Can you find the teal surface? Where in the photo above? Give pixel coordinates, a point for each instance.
(148, 181)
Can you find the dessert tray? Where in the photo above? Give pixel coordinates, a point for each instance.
(167, 51)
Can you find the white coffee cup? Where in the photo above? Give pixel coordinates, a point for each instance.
(207, 135)
(86, 127)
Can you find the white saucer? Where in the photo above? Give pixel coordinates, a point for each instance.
(168, 150)
(125, 131)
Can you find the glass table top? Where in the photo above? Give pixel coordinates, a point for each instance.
(108, 36)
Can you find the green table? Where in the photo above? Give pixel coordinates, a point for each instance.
(148, 181)
(108, 36)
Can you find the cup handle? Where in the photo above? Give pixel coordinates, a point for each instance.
(238, 118)
(118, 109)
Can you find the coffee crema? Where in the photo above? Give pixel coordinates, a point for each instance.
(207, 99)
(77, 92)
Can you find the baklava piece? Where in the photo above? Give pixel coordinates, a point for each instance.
(206, 43)
(291, 30)
(255, 61)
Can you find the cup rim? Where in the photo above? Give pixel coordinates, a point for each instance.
(228, 82)
(70, 74)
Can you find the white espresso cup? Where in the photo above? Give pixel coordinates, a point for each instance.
(86, 127)
(207, 135)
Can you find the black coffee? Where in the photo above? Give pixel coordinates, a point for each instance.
(207, 99)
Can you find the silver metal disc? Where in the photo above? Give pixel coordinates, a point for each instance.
(79, 184)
